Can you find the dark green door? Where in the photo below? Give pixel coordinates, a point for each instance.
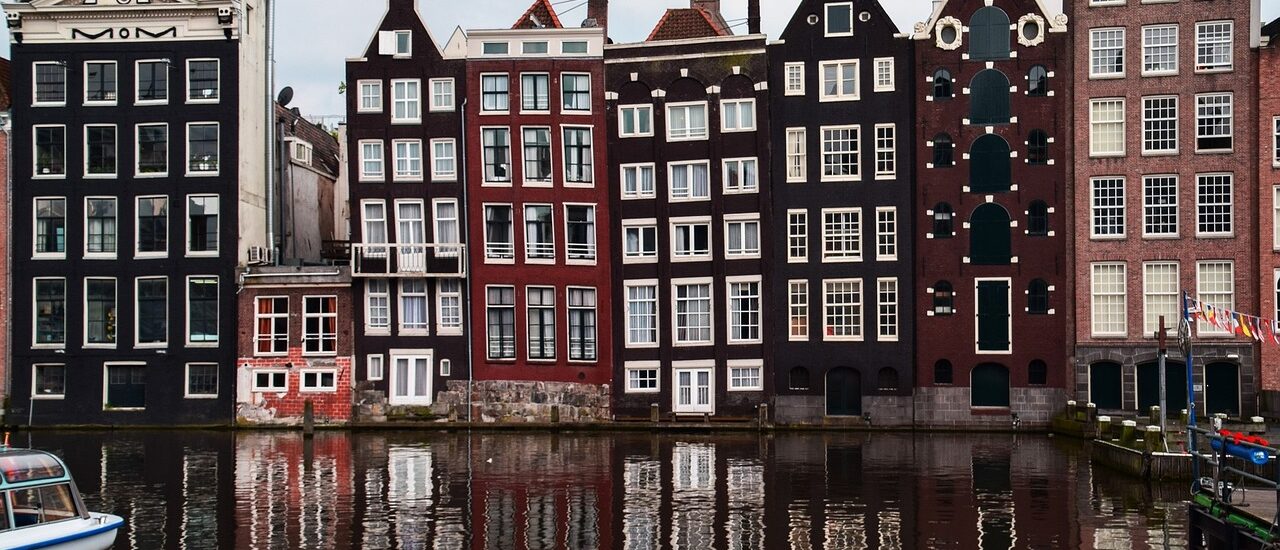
(844, 392)
(1222, 388)
(993, 315)
(1175, 387)
(989, 34)
(990, 170)
(990, 242)
(127, 386)
(1105, 386)
(989, 98)
(990, 385)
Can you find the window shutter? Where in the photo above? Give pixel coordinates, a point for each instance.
(386, 42)
(993, 316)
(990, 169)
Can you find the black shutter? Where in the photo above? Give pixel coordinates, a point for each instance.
(993, 316)
(990, 168)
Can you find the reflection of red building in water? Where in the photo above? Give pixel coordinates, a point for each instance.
(293, 491)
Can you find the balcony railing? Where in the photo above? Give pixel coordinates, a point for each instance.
(581, 251)
(539, 251)
(408, 260)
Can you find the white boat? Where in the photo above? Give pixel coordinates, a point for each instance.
(41, 508)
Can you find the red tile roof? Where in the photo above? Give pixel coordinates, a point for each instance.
(684, 23)
(539, 15)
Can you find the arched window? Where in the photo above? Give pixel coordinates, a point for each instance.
(941, 84)
(1038, 81)
(887, 380)
(1038, 219)
(989, 34)
(990, 382)
(798, 378)
(942, 372)
(1038, 297)
(989, 239)
(1038, 147)
(989, 98)
(943, 151)
(990, 170)
(944, 298)
(943, 221)
(1037, 373)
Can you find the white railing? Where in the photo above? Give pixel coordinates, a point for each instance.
(581, 251)
(447, 260)
(540, 251)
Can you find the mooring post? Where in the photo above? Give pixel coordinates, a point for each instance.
(654, 415)
(308, 418)
(555, 414)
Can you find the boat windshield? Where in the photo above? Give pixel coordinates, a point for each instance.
(45, 504)
(4, 512)
(18, 467)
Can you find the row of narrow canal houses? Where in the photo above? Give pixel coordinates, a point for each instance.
(962, 224)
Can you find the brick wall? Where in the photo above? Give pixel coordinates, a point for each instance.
(287, 407)
(1269, 181)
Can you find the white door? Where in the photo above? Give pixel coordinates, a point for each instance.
(411, 380)
(694, 391)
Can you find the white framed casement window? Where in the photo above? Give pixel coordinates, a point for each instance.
(202, 311)
(692, 309)
(151, 312)
(495, 93)
(535, 92)
(49, 83)
(375, 226)
(1215, 124)
(1160, 296)
(884, 75)
(1106, 127)
(319, 325)
(842, 319)
(841, 235)
(377, 306)
(1214, 205)
(449, 307)
(496, 148)
(100, 227)
(886, 151)
(318, 381)
(577, 156)
(271, 326)
(406, 101)
(201, 381)
(540, 314)
(1108, 307)
(100, 84)
(886, 234)
(1214, 44)
(411, 228)
(687, 121)
(203, 225)
(638, 181)
(839, 19)
(691, 239)
(746, 374)
(536, 144)
(640, 241)
(580, 234)
(635, 121)
(49, 303)
(151, 150)
(797, 157)
(1106, 53)
(49, 228)
(798, 310)
(840, 80)
(499, 238)
(100, 312)
(643, 376)
(737, 115)
(300, 151)
(693, 391)
(396, 43)
(797, 236)
(793, 78)
(1159, 50)
(1160, 125)
(740, 176)
(743, 295)
(203, 80)
(370, 100)
(442, 95)
(1107, 213)
(151, 227)
(539, 234)
(1275, 220)
(444, 159)
(372, 166)
(1275, 142)
(408, 159)
(689, 180)
(151, 82)
(1160, 206)
(1216, 286)
(203, 149)
(642, 321)
(841, 153)
(741, 236)
(575, 93)
(375, 366)
(270, 381)
(49, 381)
(415, 316)
(447, 230)
(887, 309)
(582, 324)
(49, 156)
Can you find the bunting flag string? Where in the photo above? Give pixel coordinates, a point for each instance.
(1254, 328)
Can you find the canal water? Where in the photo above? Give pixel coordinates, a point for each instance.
(189, 490)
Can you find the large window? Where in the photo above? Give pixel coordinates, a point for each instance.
(887, 310)
(1160, 206)
(1160, 50)
(642, 314)
(535, 92)
(638, 182)
(51, 227)
(1106, 127)
(414, 309)
(202, 148)
(539, 233)
(797, 158)
(797, 236)
(690, 181)
(202, 224)
(841, 235)
(1214, 45)
(840, 80)
(100, 313)
(497, 154)
(1107, 198)
(271, 326)
(152, 311)
(50, 159)
(1160, 296)
(1160, 124)
(153, 81)
(1214, 214)
(202, 80)
(841, 153)
(1106, 52)
(582, 324)
(408, 165)
(839, 19)
(744, 310)
(690, 239)
(100, 82)
(1108, 295)
(152, 152)
(580, 233)
(798, 310)
(50, 83)
(499, 243)
(842, 310)
(444, 165)
(578, 158)
(202, 310)
(500, 306)
(576, 92)
(406, 101)
(1215, 285)
(50, 312)
(320, 325)
(537, 156)
(741, 176)
(152, 226)
(100, 150)
(693, 312)
(686, 121)
(1214, 124)
(100, 227)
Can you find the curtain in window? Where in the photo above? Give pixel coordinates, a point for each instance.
(446, 222)
(701, 183)
(421, 377)
(413, 304)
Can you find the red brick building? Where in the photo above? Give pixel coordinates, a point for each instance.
(1165, 172)
(4, 225)
(1269, 207)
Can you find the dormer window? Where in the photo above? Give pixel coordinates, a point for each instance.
(404, 43)
(300, 151)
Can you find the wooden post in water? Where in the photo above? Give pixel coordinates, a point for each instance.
(308, 418)
(1162, 356)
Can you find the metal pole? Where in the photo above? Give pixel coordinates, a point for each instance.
(1191, 401)
(1162, 360)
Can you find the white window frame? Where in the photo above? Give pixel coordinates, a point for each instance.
(729, 311)
(798, 310)
(217, 91)
(35, 229)
(631, 367)
(137, 344)
(186, 305)
(1275, 220)
(885, 134)
(711, 311)
(1150, 208)
(408, 175)
(66, 77)
(381, 175)
(688, 133)
(590, 94)
(106, 384)
(797, 218)
(632, 112)
(735, 382)
(137, 83)
(1230, 204)
(828, 257)
(137, 151)
(411, 102)
(656, 315)
(1096, 127)
(640, 224)
(1275, 142)
(1216, 68)
(384, 326)
(884, 66)
(137, 236)
(452, 328)
(886, 217)
(690, 196)
(859, 308)
(856, 135)
(321, 336)
(823, 97)
(691, 221)
(1231, 123)
(85, 235)
(730, 126)
(744, 221)
(401, 293)
(640, 192)
(793, 75)
(84, 305)
(885, 310)
(35, 379)
(1150, 317)
(797, 155)
(588, 252)
(1147, 132)
(1100, 326)
(448, 84)
(540, 252)
(85, 77)
(187, 152)
(693, 368)
(258, 317)
(374, 86)
(1202, 292)
(436, 174)
(187, 225)
(1147, 47)
(1095, 232)
(186, 381)
(35, 317)
(743, 186)
(589, 175)
(369, 361)
(1094, 36)
(255, 388)
(318, 386)
(35, 157)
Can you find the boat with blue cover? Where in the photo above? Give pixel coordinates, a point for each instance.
(41, 508)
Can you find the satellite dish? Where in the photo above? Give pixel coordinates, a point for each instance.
(286, 95)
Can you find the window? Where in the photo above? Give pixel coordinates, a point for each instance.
(793, 78)
(152, 150)
(371, 165)
(497, 154)
(576, 92)
(406, 101)
(989, 34)
(1214, 45)
(535, 92)
(533, 48)
(738, 115)
(1160, 124)
(1213, 204)
(840, 153)
(319, 381)
(640, 241)
(1160, 296)
(582, 324)
(887, 234)
(51, 151)
(414, 316)
(741, 176)
(48, 381)
(1160, 206)
(51, 312)
(1106, 127)
(943, 298)
(378, 306)
(798, 310)
(50, 83)
(941, 85)
(1038, 219)
(403, 43)
(446, 226)
(745, 375)
(539, 236)
(580, 233)
(449, 316)
(943, 151)
(635, 121)
(642, 379)
(1160, 50)
(100, 227)
(798, 378)
(1108, 207)
(1214, 125)
(375, 226)
(1038, 297)
(642, 315)
(943, 221)
(300, 152)
(202, 149)
(692, 312)
(202, 310)
(494, 89)
(320, 325)
(742, 236)
(989, 98)
(375, 367)
(152, 311)
(690, 181)
(797, 159)
(152, 226)
(994, 316)
(886, 151)
(842, 310)
(275, 381)
(839, 80)
(686, 121)
(126, 386)
(691, 239)
(153, 81)
(637, 181)
(1038, 81)
(496, 48)
(100, 312)
(573, 47)
(578, 157)
(202, 80)
(1108, 299)
(1215, 284)
(499, 243)
(202, 224)
(1275, 147)
(797, 236)
(1106, 52)
(408, 166)
(271, 326)
(840, 19)
(444, 154)
(537, 155)
(100, 83)
(1038, 147)
(887, 310)
(542, 322)
(370, 96)
(990, 242)
(884, 74)
(441, 94)
(942, 372)
(841, 235)
(51, 227)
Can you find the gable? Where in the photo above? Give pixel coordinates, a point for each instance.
(686, 23)
(1055, 19)
(541, 15)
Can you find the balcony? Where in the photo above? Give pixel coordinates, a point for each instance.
(409, 260)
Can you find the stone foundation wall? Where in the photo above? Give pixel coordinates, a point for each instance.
(949, 408)
(519, 401)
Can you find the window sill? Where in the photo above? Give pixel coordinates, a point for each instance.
(635, 136)
(448, 109)
(1172, 153)
(745, 390)
(60, 104)
(202, 254)
(745, 342)
(123, 409)
(692, 344)
(88, 256)
(406, 121)
(151, 175)
(150, 256)
(1107, 76)
(1159, 74)
(98, 346)
(444, 178)
(48, 397)
(690, 259)
(1215, 236)
(1160, 237)
(631, 391)
(202, 101)
(202, 174)
(646, 345)
(49, 177)
(1215, 151)
(548, 184)
(200, 397)
(580, 184)
(49, 257)
(110, 176)
(313, 391)
(205, 345)
(591, 262)
(270, 390)
(1216, 70)
(683, 139)
(842, 339)
(149, 103)
(152, 346)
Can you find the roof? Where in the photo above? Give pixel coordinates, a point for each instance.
(324, 147)
(1270, 30)
(685, 23)
(1056, 20)
(539, 16)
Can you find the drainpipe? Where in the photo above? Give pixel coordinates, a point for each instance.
(271, 128)
(466, 239)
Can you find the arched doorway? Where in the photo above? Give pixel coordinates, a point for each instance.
(990, 386)
(844, 392)
(1175, 384)
(1222, 388)
(1105, 389)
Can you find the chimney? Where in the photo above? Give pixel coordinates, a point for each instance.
(753, 16)
(598, 15)
(711, 6)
